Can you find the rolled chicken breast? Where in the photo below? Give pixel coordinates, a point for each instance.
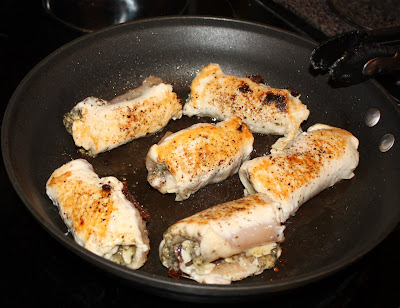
(312, 162)
(224, 243)
(98, 126)
(194, 157)
(100, 213)
(264, 109)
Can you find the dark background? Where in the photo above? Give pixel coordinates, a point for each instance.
(37, 270)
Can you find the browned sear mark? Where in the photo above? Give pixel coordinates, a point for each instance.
(244, 88)
(293, 91)
(106, 187)
(279, 100)
(256, 78)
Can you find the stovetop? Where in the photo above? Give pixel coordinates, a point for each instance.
(39, 270)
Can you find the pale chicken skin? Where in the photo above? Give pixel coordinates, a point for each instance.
(100, 213)
(194, 157)
(314, 161)
(264, 109)
(98, 126)
(224, 243)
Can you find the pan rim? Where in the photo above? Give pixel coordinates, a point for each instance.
(166, 283)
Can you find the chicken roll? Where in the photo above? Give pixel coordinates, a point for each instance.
(314, 161)
(100, 213)
(224, 243)
(264, 109)
(194, 157)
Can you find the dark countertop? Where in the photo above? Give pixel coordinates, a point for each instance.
(318, 14)
(333, 17)
(39, 270)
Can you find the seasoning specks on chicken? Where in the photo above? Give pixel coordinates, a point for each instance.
(312, 162)
(194, 157)
(100, 213)
(98, 126)
(224, 243)
(264, 109)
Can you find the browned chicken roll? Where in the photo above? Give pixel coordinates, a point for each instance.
(98, 126)
(100, 213)
(225, 243)
(194, 157)
(314, 161)
(264, 109)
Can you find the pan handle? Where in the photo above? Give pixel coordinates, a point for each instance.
(382, 65)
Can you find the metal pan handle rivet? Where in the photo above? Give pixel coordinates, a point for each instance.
(386, 142)
(372, 117)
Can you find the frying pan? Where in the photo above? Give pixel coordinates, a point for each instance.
(328, 233)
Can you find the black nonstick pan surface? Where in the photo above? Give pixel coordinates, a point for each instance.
(328, 233)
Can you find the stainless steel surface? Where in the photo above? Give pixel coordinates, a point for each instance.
(91, 15)
(372, 117)
(386, 142)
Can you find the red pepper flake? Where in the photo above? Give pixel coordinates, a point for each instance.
(175, 274)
